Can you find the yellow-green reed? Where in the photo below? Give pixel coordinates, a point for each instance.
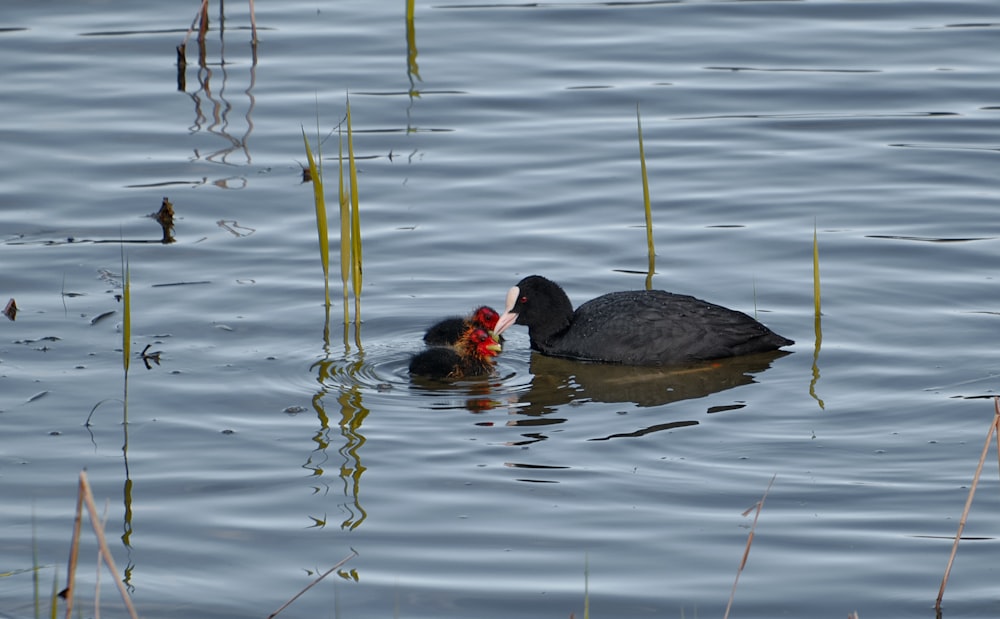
(356, 273)
(645, 200)
(316, 174)
(344, 200)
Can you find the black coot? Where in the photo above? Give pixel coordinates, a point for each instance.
(450, 330)
(471, 355)
(637, 327)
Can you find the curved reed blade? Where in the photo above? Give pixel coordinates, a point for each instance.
(316, 173)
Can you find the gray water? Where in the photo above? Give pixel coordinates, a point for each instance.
(268, 441)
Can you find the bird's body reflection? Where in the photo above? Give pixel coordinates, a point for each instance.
(558, 383)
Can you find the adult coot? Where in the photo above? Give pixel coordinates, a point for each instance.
(450, 330)
(472, 355)
(637, 327)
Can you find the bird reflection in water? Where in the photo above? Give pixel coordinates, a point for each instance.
(557, 383)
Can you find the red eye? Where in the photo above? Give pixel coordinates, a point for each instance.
(524, 299)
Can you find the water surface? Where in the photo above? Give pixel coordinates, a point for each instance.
(498, 140)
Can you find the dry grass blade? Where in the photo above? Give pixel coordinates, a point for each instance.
(102, 542)
(353, 554)
(746, 553)
(994, 427)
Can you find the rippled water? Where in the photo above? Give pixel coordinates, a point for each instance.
(265, 441)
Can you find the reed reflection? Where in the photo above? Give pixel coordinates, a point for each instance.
(352, 415)
(412, 69)
(213, 112)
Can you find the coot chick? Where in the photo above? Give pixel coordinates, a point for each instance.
(450, 330)
(637, 327)
(472, 355)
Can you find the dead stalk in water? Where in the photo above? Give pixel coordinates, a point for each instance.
(86, 497)
(994, 427)
(746, 553)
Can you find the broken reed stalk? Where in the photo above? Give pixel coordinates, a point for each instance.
(994, 428)
(353, 554)
(645, 200)
(746, 553)
(86, 497)
(316, 174)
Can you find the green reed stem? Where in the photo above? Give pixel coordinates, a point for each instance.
(816, 295)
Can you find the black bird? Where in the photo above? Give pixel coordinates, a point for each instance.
(637, 327)
(472, 355)
(450, 330)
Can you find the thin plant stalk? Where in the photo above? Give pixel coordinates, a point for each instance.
(816, 294)
(316, 174)
(34, 562)
(126, 327)
(994, 427)
(646, 204)
(746, 553)
(126, 331)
